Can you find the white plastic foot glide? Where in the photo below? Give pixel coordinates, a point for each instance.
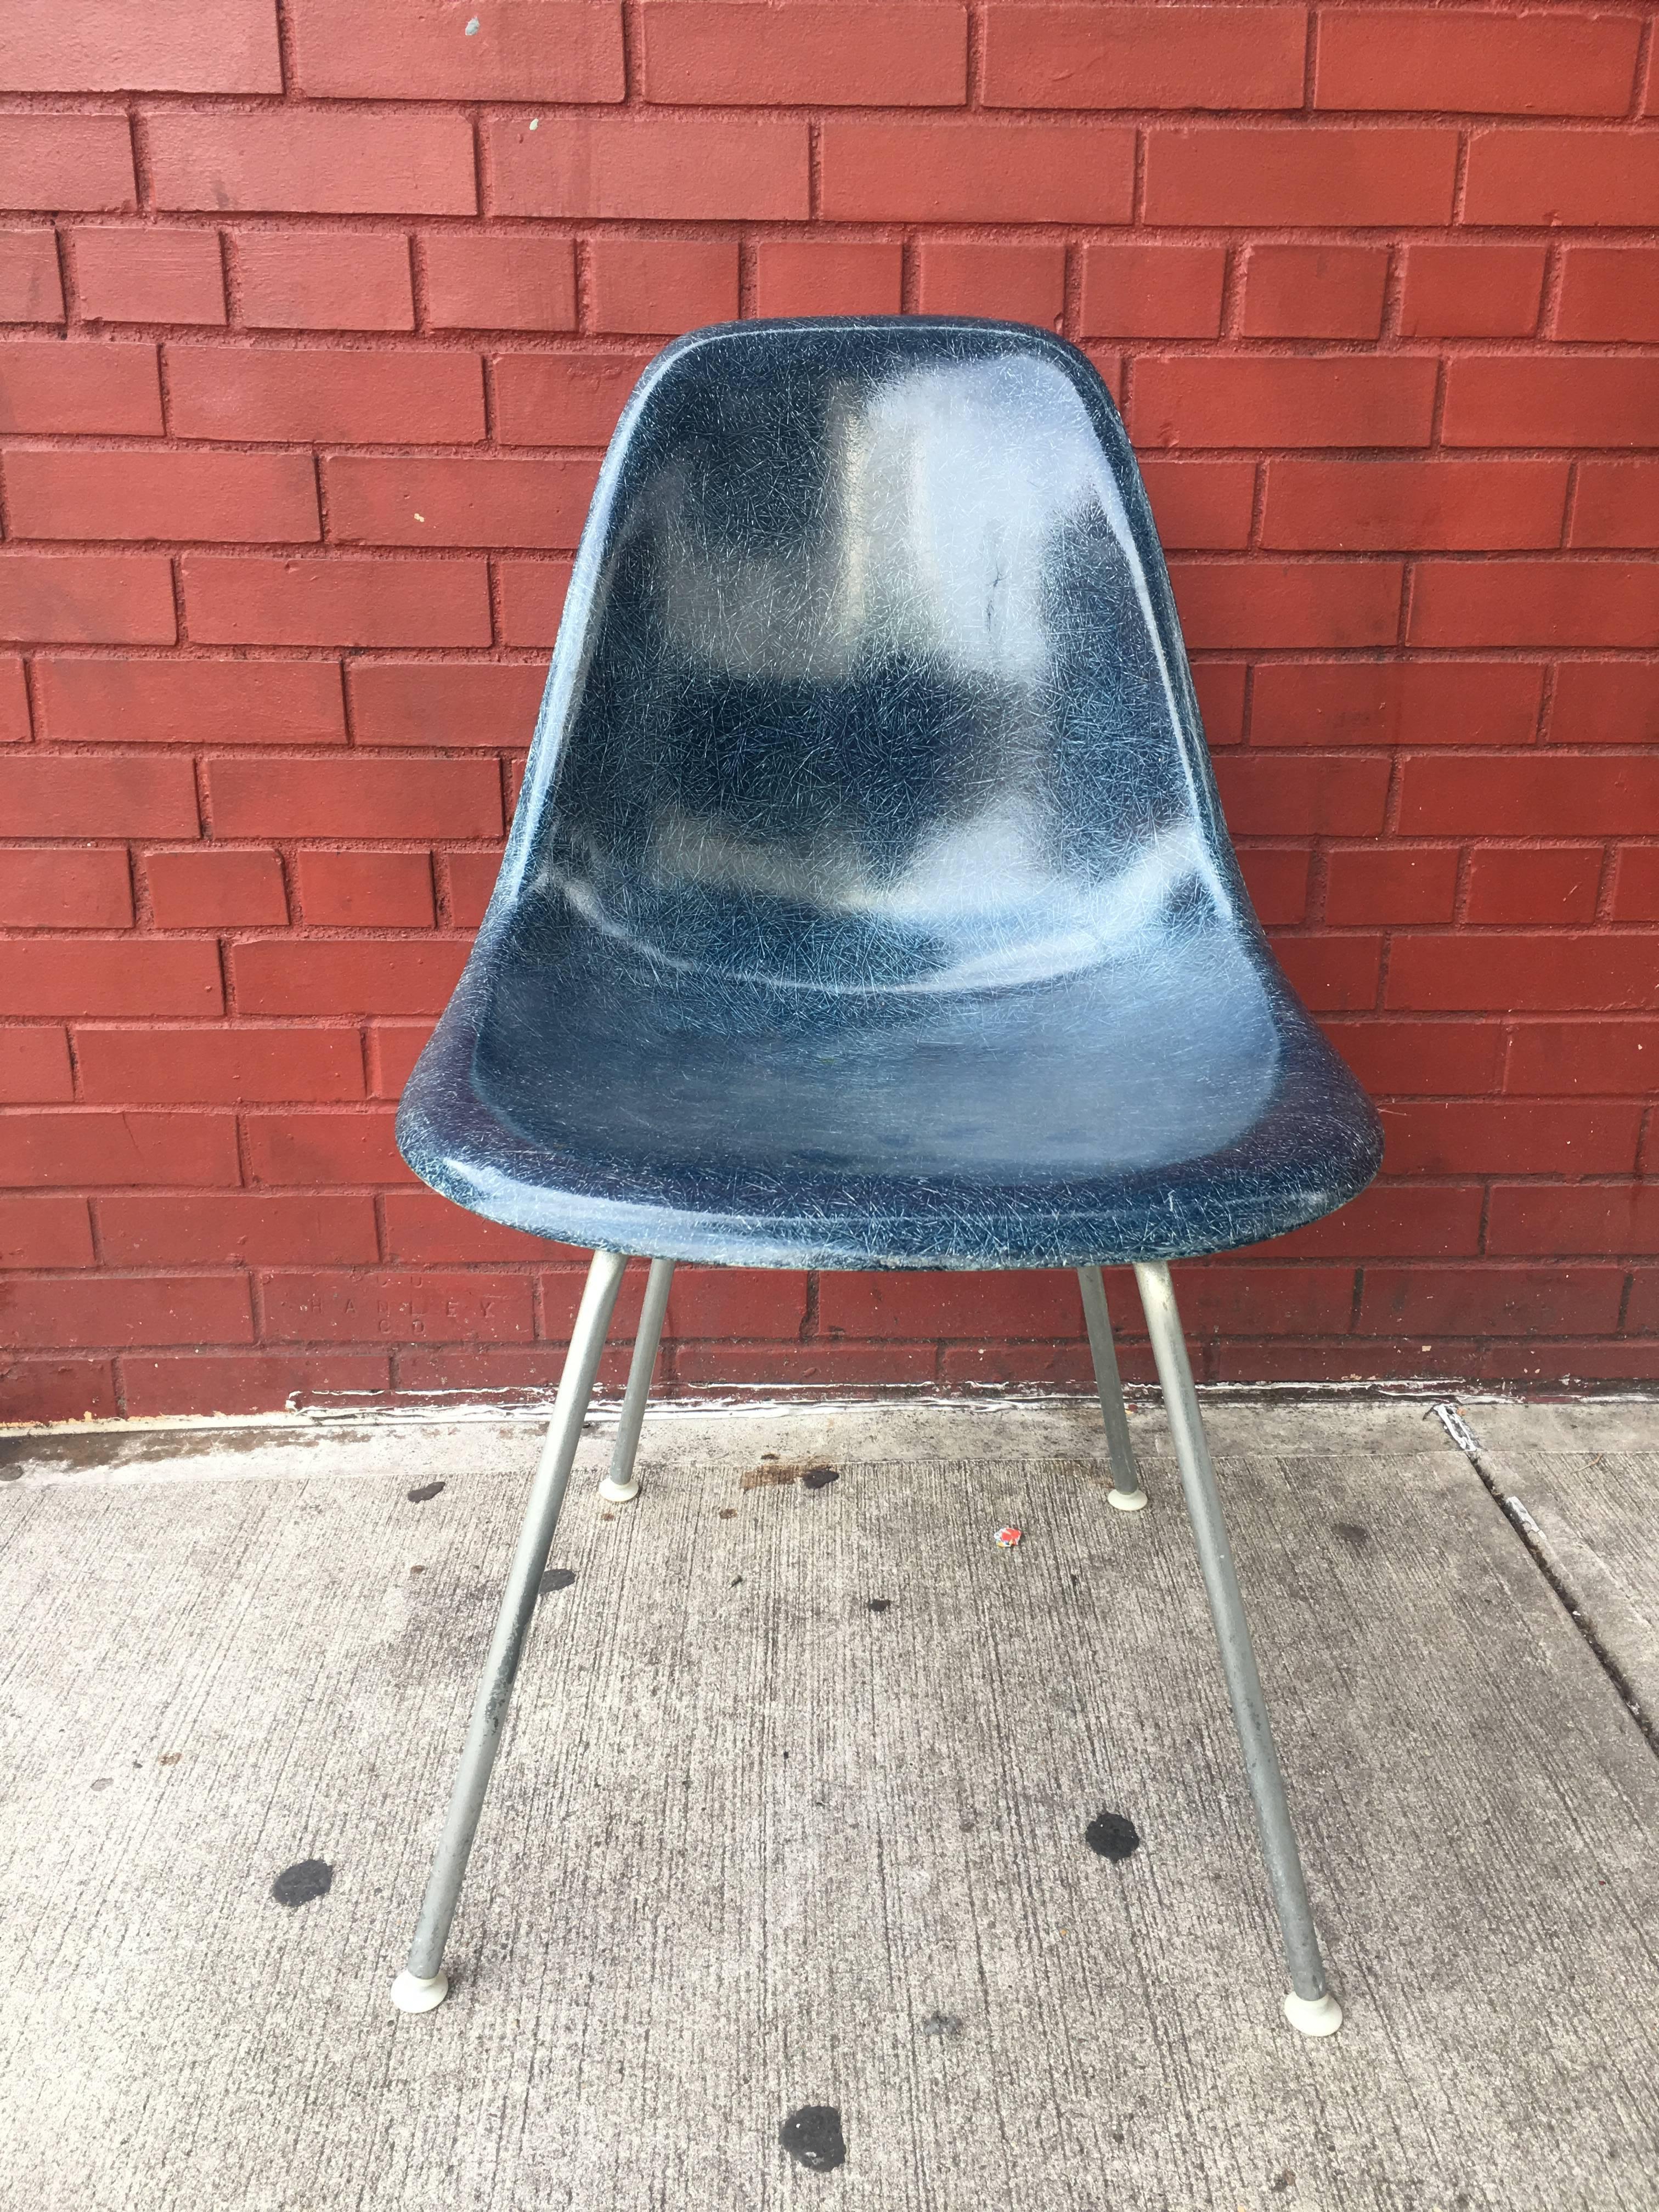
(1127, 1501)
(1313, 2015)
(419, 1993)
(618, 1493)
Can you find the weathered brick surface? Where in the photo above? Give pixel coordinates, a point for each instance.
(684, 168)
(312, 332)
(47, 386)
(294, 395)
(828, 276)
(977, 172)
(57, 162)
(216, 887)
(1016, 283)
(185, 703)
(562, 50)
(365, 890)
(1538, 63)
(235, 601)
(485, 502)
(105, 46)
(34, 1066)
(14, 716)
(145, 493)
(1314, 291)
(1202, 506)
(532, 594)
(310, 160)
(662, 285)
(1471, 291)
(55, 887)
(392, 1048)
(325, 280)
(1075, 56)
(217, 1066)
(149, 276)
(475, 281)
(1153, 291)
(45, 1232)
(563, 399)
(1280, 174)
(31, 282)
(882, 53)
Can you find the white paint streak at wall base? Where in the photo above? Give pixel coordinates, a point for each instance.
(1457, 1429)
(1523, 1520)
(445, 1409)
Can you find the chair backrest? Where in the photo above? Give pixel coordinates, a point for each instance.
(870, 674)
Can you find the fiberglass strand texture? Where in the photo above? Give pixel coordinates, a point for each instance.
(869, 901)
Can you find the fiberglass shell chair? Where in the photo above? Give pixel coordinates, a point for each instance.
(869, 905)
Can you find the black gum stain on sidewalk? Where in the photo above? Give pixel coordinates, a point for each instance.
(298, 1884)
(812, 2137)
(1112, 1836)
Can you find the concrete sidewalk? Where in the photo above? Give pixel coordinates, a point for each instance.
(790, 1811)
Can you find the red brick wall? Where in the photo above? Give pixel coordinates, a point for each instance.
(318, 317)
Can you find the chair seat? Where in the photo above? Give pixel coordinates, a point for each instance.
(868, 903)
(1168, 1099)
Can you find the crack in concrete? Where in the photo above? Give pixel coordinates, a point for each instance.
(1492, 1478)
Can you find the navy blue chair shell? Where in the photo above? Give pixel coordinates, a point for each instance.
(869, 904)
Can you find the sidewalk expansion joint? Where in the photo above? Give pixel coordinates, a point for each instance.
(1532, 1537)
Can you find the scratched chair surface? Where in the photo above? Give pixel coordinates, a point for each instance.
(869, 902)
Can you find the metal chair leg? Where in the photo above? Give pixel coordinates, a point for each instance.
(622, 1483)
(1310, 2006)
(1126, 1492)
(422, 1983)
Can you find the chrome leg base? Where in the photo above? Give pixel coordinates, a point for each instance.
(423, 1985)
(1313, 2015)
(418, 1993)
(1311, 2007)
(621, 1483)
(1126, 1492)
